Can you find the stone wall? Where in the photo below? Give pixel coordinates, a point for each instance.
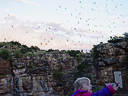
(33, 76)
(111, 56)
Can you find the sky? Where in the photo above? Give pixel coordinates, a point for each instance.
(62, 24)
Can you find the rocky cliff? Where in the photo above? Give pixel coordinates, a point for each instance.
(53, 73)
(39, 74)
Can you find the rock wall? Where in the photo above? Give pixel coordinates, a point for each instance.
(34, 75)
(53, 73)
(111, 56)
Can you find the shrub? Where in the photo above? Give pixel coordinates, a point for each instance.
(77, 73)
(4, 53)
(1, 44)
(81, 67)
(31, 65)
(68, 57)
(73, 53)
(76, 54)
(24, 49)
(35, 48)
(50, 50)
(95, 89)
(15, 43)
(30, 54)
(94, 53)
(126, 36)
(59, 58)
(116, 39)
(90, 77)
(57, 75)
(40, 55)
(79, 56)
(11, 53)
(18, 54)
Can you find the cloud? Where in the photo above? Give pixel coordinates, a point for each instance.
(42, 40)
(27, 2)
(58, 26)
(47, 35)
(31, 32)
(21, 1)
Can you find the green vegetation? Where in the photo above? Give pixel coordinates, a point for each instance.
(115, 37)
(79, 56)
(18, 54)
(14, 43)
(95, 89)
(40, 55)
(30, 54)
(126, 36)
(82, 66)
(57, 75)
(76, 54)
(16, 50)
(34, 48)
(94, 53)
(4, 53)
(77, 73)
(90, 77)
(51, 50)
(1, 44)
(31, 65)
(24, 49)
(73, 53)
(68, 57)
(59, 58)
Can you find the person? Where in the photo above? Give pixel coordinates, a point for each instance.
(83, 87)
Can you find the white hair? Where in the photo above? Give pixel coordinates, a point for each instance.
(78, 84)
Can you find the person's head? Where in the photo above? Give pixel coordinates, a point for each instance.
(83, 84)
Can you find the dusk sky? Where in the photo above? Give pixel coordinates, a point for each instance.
(62, 24)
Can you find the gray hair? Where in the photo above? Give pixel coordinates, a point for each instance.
(80, 81)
